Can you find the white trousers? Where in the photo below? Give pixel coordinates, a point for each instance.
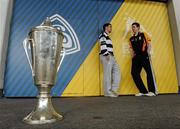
(111, 77)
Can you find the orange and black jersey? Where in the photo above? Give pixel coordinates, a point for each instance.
(139, 43)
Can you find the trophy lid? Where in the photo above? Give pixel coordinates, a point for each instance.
(47, 22)
(46, 26)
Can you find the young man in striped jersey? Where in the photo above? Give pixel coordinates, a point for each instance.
(140, 48)
(110, 66)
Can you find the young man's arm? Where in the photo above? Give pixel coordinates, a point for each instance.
(131, 49)
(148, 42)
(103, 47)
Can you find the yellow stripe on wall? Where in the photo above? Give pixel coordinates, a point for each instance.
(153, 18)
(86, 81)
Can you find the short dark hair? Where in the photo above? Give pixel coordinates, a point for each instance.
(136, 24)
(105, 25)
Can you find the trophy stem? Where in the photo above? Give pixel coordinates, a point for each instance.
(44, 111)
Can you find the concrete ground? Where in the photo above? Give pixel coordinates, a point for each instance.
(124, 112)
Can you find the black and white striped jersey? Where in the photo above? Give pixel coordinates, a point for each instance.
(106, 46)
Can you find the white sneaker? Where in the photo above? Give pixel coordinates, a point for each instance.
(110, 94)
(114, 93)
(156, 93)
(150, 94)
(139, 94)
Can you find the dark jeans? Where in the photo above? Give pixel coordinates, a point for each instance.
(139, 62)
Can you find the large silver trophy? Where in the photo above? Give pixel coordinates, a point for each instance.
(44, 43)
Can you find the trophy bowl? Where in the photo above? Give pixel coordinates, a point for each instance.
(43, 48)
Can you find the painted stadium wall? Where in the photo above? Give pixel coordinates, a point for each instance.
(81, 22)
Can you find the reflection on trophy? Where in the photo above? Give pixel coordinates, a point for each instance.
(44, 43)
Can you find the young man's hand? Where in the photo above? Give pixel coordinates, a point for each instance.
(132, 53)
(108, 57)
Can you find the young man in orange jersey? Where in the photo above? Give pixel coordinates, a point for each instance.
(140, 45)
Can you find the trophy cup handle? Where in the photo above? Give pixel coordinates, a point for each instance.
(64, 53)
(26, 45)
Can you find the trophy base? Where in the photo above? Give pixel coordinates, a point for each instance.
(34, 119)
(44, 113)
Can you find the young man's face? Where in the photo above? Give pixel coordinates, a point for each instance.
(135, 29)
(109, 28)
